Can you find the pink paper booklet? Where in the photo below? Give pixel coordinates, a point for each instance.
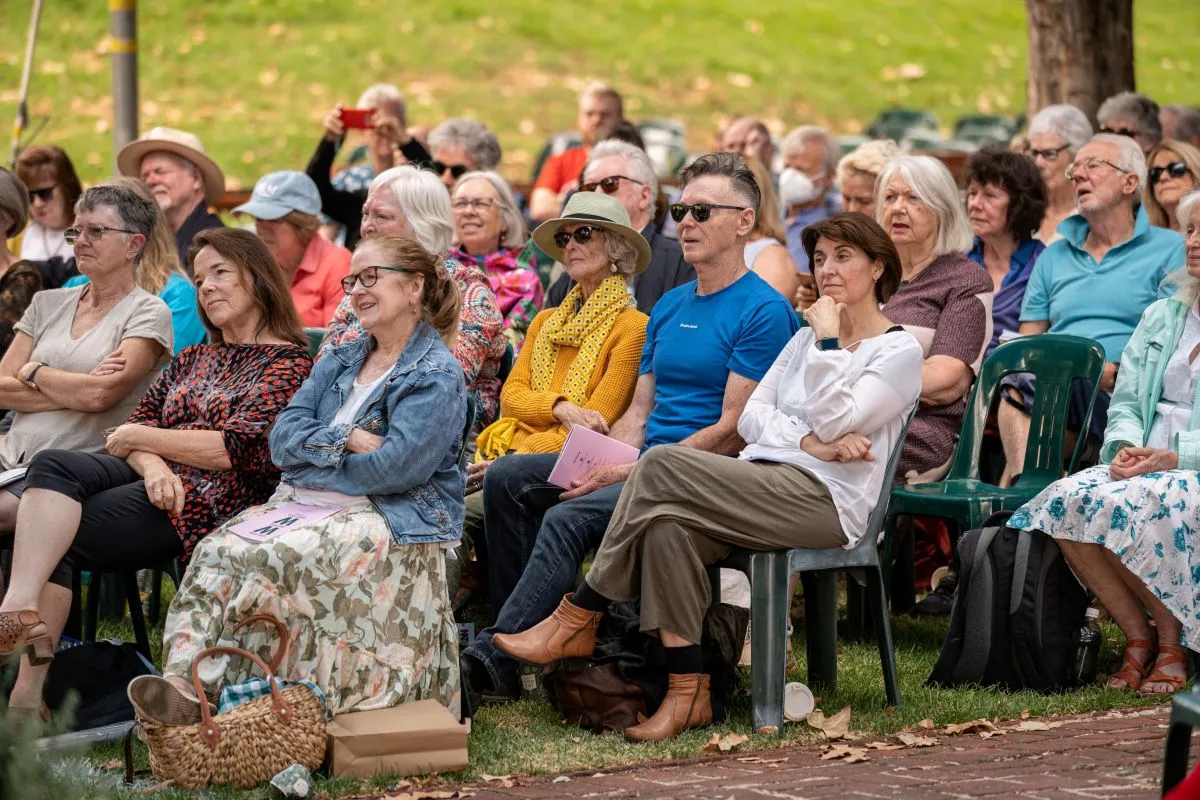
(261, 527)
(585, 449)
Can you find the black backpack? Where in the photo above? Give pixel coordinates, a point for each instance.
(97, 675)
(1017, 613)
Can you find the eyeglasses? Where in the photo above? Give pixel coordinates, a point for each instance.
(1130, 132)
(93, 232)
(608, 185)
(456, 171)
(1049, 154)
(1176, 169)
(368, 277)
(1090, 166)
(475, 203)
(582, 234)
(700, 211)
(45, 195)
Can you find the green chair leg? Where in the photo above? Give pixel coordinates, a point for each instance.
(883, 634)
(768, 640)
(820, 626)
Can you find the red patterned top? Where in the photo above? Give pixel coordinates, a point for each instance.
(237, 389)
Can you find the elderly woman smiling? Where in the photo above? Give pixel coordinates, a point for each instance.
(372, 438)
(490, 233)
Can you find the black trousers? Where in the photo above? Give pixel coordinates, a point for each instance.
(120, 529)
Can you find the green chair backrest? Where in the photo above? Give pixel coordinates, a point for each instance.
(506, 363)
(1056, 361)
(315, 337)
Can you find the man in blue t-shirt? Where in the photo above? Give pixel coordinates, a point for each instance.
(708, 344)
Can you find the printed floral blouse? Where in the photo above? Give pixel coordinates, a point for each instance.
(518, 289)
(237, 389)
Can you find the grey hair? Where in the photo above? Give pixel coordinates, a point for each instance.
(424, 202)
(869, 158)
(730, 165)
(472, 136)
(799, 138)
(930, 181)
(14, 203)
(1137, 106)
(1187, 206)
(1129, 155)
(622, 255)
(515, 233)
(1067, 121)
(1189, 287)
(636, 161)
(384, 94)
(1187, 126)
(134, 212)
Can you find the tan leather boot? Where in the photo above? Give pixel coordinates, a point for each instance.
(570, 632)
(687, 705)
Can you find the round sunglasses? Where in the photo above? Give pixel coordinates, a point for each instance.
(700, 211)
(608, 185)
(582, 235)
(1176, 169)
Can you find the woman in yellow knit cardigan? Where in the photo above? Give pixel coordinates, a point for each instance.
(579, 363)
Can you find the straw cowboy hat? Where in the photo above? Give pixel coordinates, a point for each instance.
(181, 143)
(599, 211)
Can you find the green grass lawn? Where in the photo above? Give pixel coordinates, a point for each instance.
(526, 738)
(254, 77)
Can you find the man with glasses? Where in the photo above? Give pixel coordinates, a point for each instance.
(460, 146)
(708, 344)
(814, 153)
(624, 171)
(1133, 115)
(1095, 282)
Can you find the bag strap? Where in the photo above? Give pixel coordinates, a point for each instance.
(973, 662)
(210, 732)
(277, 659)
(1020, 568)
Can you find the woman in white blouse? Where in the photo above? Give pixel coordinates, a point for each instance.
(818, 431)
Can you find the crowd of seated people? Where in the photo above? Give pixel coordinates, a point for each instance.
(764, 332)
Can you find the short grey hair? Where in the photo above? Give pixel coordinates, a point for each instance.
(14, 203)
(622, 255)
(424, 202)
(929, 180)
(515, 233)
(1187, 206)
(378, 95)
(472, 136)
(1187, 127)
(636, 161)
(1067, 121)
(801, 137)
(134, 212)
(1136, 106)
(1129, 155)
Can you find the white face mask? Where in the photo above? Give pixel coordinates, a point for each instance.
(796, 188)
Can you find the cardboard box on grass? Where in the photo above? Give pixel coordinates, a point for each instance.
(410, 739)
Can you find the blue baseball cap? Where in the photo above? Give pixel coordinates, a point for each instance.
(279, 193)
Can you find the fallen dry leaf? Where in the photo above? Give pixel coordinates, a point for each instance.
(1024, 713)
(913, 740)
(114, 763)
(990, 734)
(884, 746)
(834, 727)
(926, 723)
(505, 781)
(846, 753)
(561, 779)
(723, 744)
(974, 726)
(1037, 725)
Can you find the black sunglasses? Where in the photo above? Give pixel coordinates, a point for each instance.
(608, 185)
(1176, 169)
(582, 234)
(700, 211)
(456, 171)
(1130, 132)
(45, 195)
(369, 277)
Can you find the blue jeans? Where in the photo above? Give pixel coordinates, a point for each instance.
(536, 545)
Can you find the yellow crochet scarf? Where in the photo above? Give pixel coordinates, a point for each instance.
(573, 324)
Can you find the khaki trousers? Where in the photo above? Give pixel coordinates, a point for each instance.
(683, 509)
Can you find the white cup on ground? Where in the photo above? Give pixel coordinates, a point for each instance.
(798, 702)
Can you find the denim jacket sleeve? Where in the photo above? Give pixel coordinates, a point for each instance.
(425, 420)
(1125, 424)
(299, 439)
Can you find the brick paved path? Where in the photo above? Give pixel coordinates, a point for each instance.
(1114, 755)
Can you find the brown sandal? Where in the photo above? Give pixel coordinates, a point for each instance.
(1133, 673)
(17, 636)
(1168, 655)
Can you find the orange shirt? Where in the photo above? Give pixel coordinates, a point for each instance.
(562, 169)
(317, 284)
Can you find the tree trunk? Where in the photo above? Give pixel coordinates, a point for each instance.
(1080, 52)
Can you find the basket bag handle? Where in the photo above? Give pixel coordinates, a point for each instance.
(279, 627)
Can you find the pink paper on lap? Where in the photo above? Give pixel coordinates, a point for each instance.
(261, 527)
(585, 449)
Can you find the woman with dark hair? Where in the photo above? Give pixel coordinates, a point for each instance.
(818, 431)
(19, 279)
(193, 454)
(54, 189)
(1006, 201)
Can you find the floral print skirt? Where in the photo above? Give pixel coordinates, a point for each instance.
(1149, 522)
(369, 621)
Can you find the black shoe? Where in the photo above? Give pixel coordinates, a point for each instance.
(940, 601)
(477, 690)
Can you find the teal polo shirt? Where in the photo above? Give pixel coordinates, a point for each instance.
(1102, 301)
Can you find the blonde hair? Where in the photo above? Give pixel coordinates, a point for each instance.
(869, 158)
(440, 299)
(769, 219)
(160, 258)
(1190, 156)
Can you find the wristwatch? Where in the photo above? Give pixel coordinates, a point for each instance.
(29, 381)
(828, 343)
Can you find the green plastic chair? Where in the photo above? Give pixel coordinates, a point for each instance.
(769, 573)
(315, 337)
(1056, 361)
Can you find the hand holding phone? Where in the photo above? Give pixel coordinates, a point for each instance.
(357, 118)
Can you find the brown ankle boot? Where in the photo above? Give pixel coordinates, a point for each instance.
(687, 705)
(570, 632)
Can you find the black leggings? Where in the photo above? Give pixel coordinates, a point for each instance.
(120, 529)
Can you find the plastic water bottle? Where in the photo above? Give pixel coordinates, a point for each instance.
(1087, 649)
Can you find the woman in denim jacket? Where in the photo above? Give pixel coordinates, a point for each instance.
(350, 551)
(1128, 527)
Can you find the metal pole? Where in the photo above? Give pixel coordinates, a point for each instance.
(122, 28)
(22, 119)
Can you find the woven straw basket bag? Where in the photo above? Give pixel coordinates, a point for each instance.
(244, 747)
